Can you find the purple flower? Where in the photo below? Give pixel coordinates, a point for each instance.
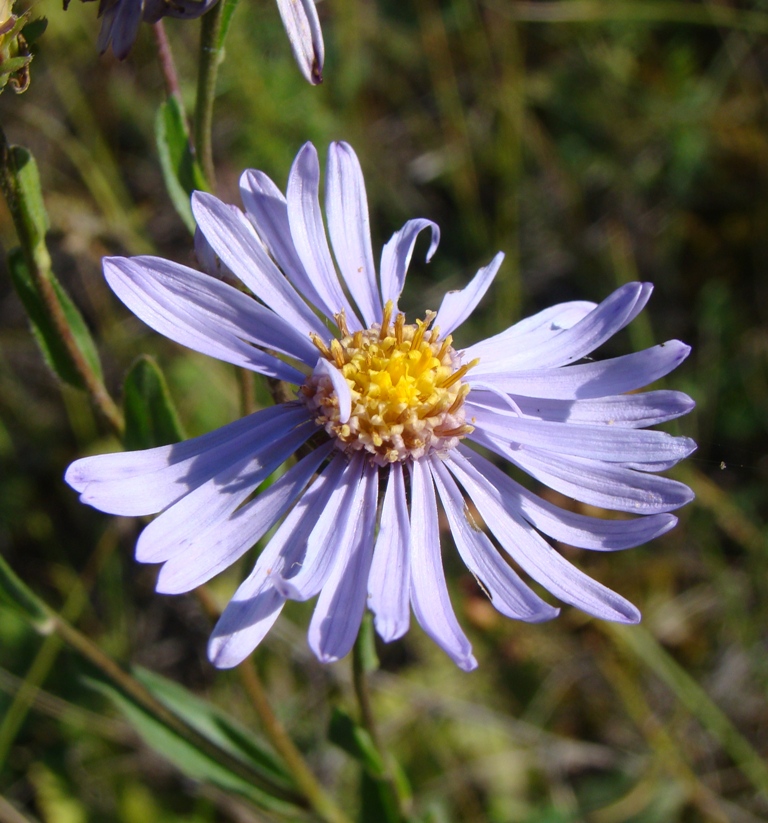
(384, 404)
(121, 19)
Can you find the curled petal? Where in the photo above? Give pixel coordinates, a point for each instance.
(396, 257)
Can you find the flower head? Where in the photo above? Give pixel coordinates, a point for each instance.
(382, 399)
(121, 20)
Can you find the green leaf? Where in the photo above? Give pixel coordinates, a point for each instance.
(14, 64)
(377, 803)
(150, 416)
(226, 19)
(270, 787)
(54, 353)
(23, 600)
(355, 741)
(29, 194)
(181, 171)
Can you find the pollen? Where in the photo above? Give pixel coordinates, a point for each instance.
(405, 384)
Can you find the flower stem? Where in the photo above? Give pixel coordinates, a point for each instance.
(211, 51)
(322, 804)
(399, 790)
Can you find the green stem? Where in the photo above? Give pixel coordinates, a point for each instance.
(400, 796)
(211, 52)
(38, 263)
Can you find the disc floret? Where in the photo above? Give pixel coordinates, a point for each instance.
(407, 394)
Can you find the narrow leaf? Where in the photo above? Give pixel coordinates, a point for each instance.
(16, 594)
(53, 350)
(214, 724)
(29, 194)
(181, 171)
(150, 416)
(265, 789)
(226, 19)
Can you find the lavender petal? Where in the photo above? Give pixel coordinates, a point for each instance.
(606, 377)
(628, 410)
(389, 582)
(233, 238)
(614, 444)
(580, 530)
(222, 543)
(429, 594)
(305, 35)
(534, 555)
(458, 305)
(396, 257)
(496, 577)
(308, 232)
(346, 206)
(206, 315)
(146, 482)
(339, 610)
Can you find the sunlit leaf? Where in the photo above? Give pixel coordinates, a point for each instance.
(45, 333)
(181, 171)
(269, 785)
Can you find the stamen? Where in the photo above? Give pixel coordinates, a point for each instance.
(444, 348)
(323, 349)
(459, 373)
(337, 352)
(460, 398)
(399, 323)
(341, 322)
(389, 307)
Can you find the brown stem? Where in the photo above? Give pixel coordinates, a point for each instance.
(38, 263)
(167, 63)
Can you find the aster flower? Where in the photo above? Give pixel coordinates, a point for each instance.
(121, 19)
(386, 411)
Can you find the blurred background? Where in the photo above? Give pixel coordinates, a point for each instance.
(594, 143)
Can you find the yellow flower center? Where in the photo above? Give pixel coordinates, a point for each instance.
(407, 398)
